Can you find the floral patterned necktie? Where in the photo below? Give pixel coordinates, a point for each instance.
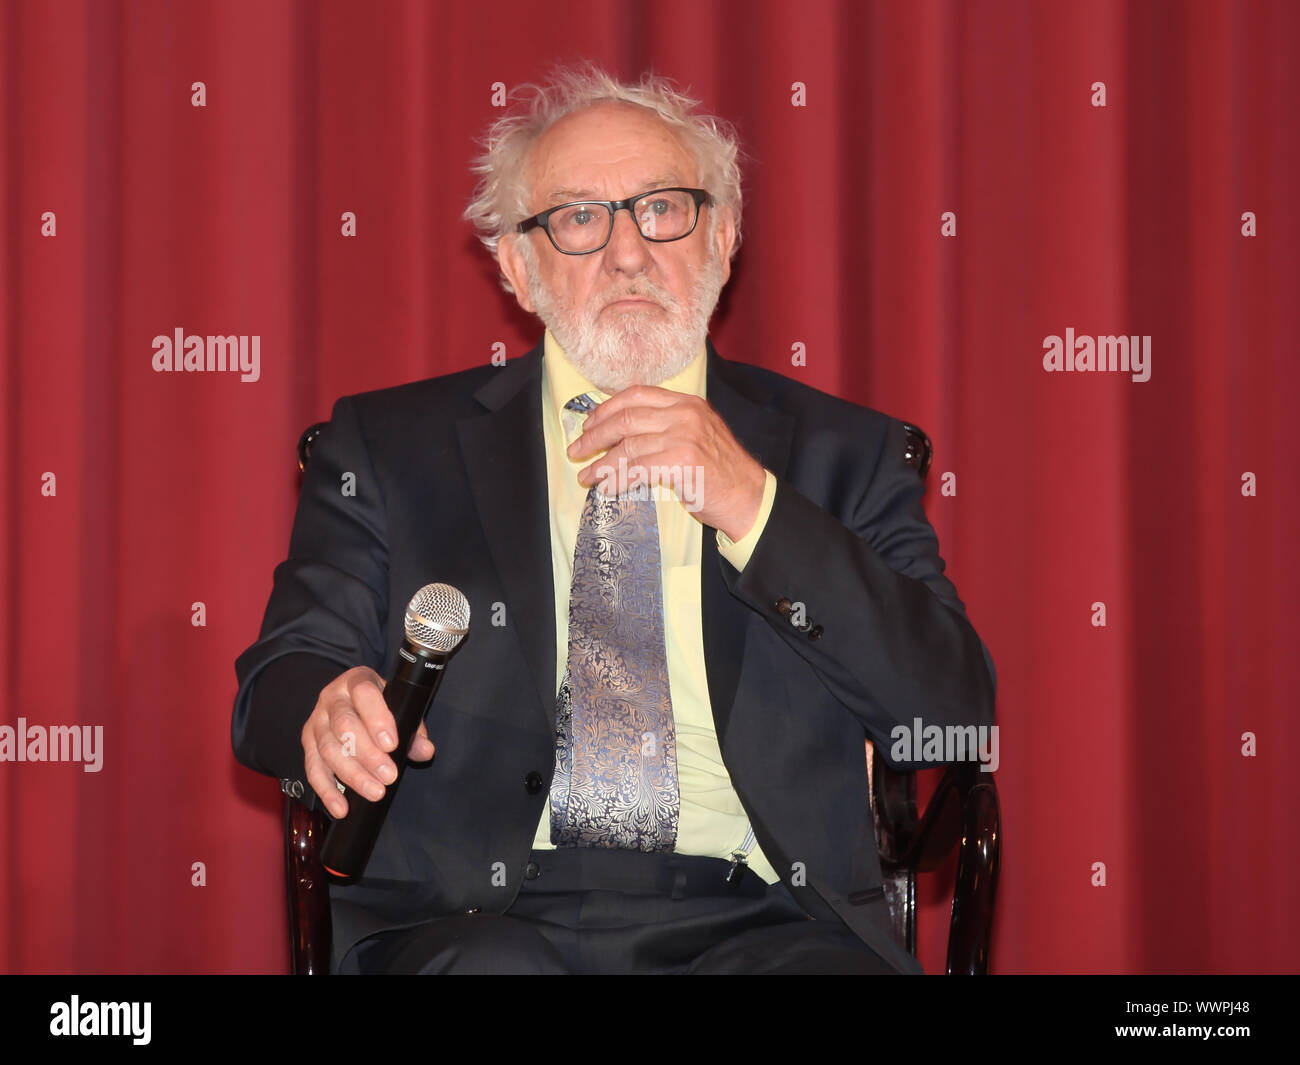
(615, 779)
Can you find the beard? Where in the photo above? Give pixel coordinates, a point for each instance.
(630, 345)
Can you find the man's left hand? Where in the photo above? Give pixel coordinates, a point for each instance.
(655, 436)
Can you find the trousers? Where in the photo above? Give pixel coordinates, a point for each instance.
(593, 911)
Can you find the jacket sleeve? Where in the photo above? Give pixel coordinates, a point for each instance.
(882, 626)
(328, 604)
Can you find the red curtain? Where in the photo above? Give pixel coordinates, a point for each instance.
(129, 213)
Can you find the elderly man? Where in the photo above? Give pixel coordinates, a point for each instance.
(696, 587)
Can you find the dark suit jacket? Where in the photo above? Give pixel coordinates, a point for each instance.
(450, 480)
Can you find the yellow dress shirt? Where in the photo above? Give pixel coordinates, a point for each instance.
(712, 821)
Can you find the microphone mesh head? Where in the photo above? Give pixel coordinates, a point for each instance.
(437, 618)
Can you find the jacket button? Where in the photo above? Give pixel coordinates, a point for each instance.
(533, 783)
(815, 633)
(783, 606)
(472, 911)
(532, 871)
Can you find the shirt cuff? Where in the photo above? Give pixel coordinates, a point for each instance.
(737, 552)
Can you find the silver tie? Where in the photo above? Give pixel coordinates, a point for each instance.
(615, 779)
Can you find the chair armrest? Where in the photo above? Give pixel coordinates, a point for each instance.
(971, 928)
(308, 889)
(962, 815)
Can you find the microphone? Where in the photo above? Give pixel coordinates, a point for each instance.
(437, 619)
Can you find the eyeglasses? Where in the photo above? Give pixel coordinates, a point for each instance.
(583, 227)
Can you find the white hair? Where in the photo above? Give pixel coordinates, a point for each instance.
(500, 199)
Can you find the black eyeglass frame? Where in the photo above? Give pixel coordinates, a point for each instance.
(542, 219)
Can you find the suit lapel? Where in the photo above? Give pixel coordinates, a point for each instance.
(505, 461)
(767, 435)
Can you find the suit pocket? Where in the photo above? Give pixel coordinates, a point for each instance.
(861, 898)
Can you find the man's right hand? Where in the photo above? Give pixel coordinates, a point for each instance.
(348, 736)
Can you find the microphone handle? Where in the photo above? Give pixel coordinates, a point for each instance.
(408, 693)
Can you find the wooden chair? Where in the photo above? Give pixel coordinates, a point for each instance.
(963, 815)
